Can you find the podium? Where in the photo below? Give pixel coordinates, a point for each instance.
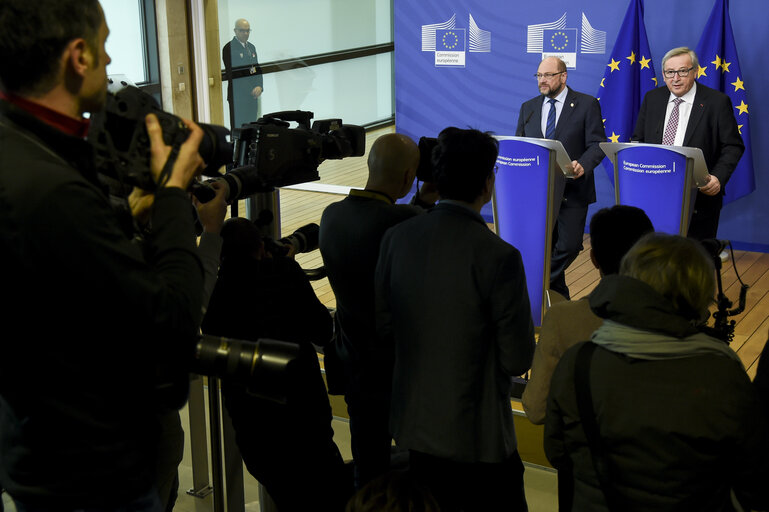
(530, 179)
(661, 180)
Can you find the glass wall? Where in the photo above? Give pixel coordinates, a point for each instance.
(309, 55)
(125, 41)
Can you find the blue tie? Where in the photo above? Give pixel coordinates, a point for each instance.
(550, 129)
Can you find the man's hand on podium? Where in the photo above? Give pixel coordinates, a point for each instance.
(577, 169)
(712, 187)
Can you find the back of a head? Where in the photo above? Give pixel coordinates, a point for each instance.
(392, 156)
(677, 268)
(613, 231)
(33, 35)
(395, 491)
(462, 161)
(240, 238)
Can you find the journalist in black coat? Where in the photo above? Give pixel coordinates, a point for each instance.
(579, 127)
(711, 127)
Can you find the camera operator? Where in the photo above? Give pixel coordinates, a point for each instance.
(78, 418)
(288, 447)
(210, 217)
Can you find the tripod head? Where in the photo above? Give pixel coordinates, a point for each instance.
(723, 328)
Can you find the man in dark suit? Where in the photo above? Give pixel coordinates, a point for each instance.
(686, 113)
(573, 118)
(452, 301)
(351, 231)
(243, 92)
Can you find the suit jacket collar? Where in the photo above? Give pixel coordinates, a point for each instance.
(539, 101)
(698, 108)
(658, 109)
(236, 41)
(569, 105)
(459, 208)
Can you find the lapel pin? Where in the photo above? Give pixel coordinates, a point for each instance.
(571, 105)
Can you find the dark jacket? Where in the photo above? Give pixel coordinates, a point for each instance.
(712, 128)
(680, 432)
(580, 130)
(289, 446)
(351, 232)
(90, 321)
(452, 299)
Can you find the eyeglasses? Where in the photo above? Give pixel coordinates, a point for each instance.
(683, 72)
(246, 30)
(548, 76)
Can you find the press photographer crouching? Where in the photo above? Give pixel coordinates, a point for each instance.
(94, 317)
(287, 446)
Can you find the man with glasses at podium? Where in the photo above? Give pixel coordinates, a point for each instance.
(689, 114)
(563, 114)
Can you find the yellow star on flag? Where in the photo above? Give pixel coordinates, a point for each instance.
(614, 137)
(701, 71)
(655, 80)
(645, 62)
(717, 62)
(602, 79)
(614, 65)
(739, 128)
(631, 58)
(739, 84)
(725, 66)
(742, 107)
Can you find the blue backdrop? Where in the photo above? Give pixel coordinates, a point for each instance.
(470, 63)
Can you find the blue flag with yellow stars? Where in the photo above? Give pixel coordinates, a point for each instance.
(629, 75)
(720, 69)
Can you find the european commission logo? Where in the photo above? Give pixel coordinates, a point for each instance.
(555, 40)
(450, 44)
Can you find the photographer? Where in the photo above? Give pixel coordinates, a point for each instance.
(78, 418)
(288, 447)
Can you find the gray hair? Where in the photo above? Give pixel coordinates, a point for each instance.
(681, 50)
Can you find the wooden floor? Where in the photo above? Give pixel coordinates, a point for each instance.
(752, 326)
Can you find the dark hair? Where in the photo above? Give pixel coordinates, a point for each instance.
(395, 491)
(240, 238)
(613, 231)
(33, 35)
(463, 160)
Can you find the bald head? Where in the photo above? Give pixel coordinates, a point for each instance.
(392, 164)
(242, 30)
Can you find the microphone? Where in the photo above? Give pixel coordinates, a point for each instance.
(524, 124)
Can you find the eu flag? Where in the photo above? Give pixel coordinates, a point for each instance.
(559, 40)
(720, 69)
(629, 75)
(451, 40)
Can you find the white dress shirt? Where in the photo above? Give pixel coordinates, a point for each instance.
(559, 101)
(684, 112)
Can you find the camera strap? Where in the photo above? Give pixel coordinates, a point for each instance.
(598, 451)
(165, 173)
